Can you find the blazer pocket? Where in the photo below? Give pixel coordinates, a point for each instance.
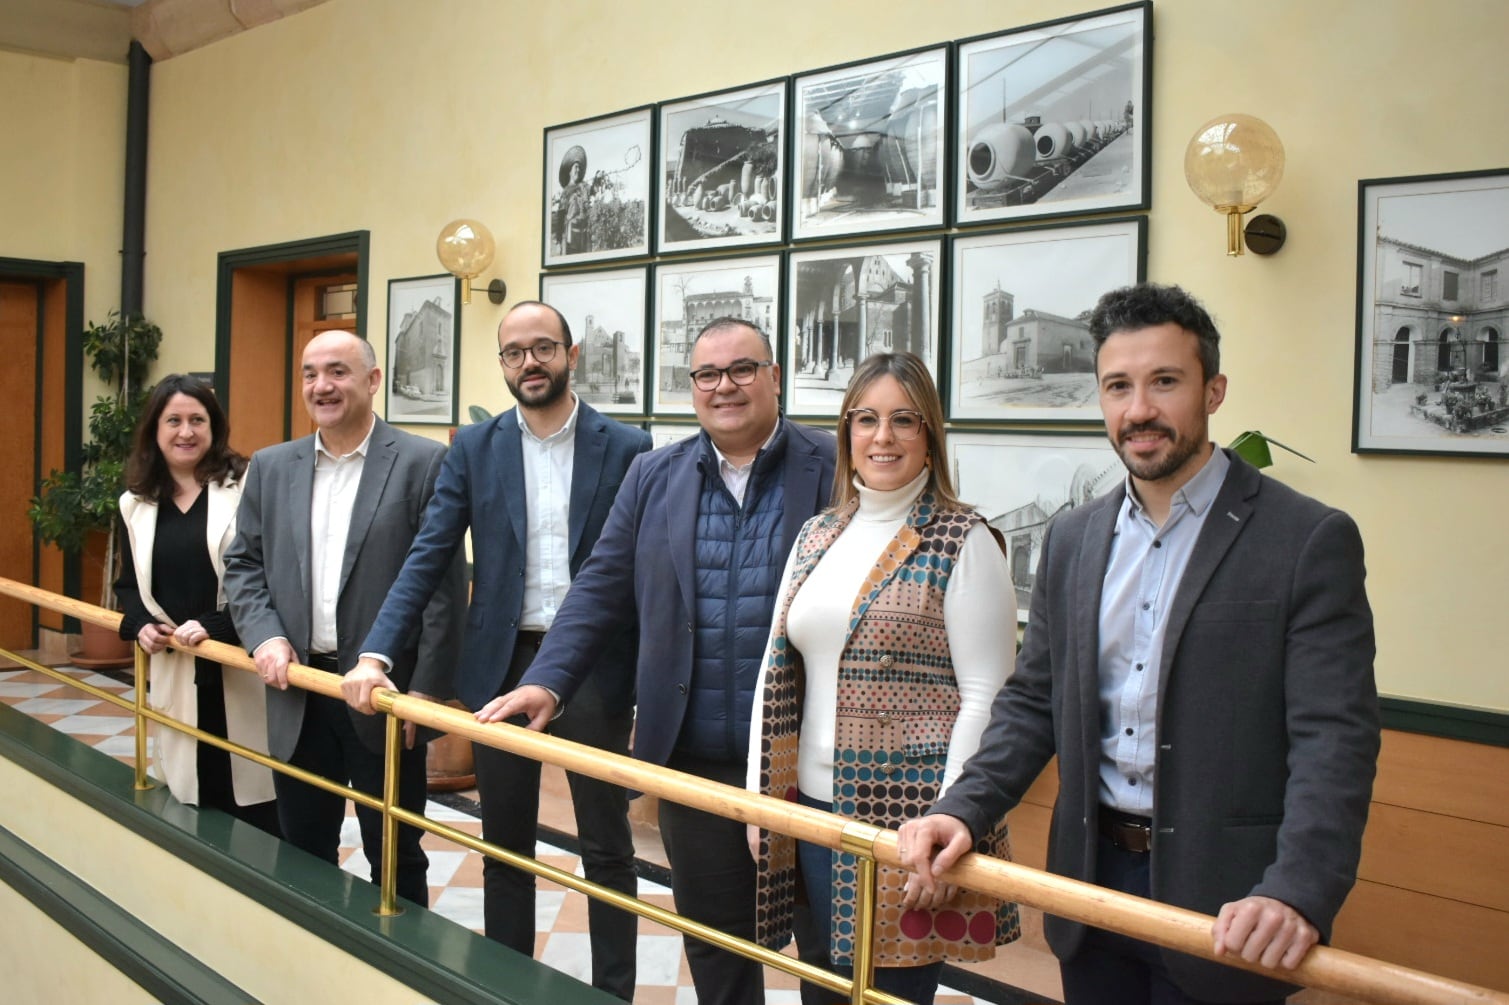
(1230, 611)
(927, 736)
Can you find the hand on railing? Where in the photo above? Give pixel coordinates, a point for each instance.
(190, 633)
(360, 684)
(915, 843)
(154, 637)
(530, 700)
(1263, 930)
(272, 658)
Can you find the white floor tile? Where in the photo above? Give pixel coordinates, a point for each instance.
(443, 866)
(570, 953)
(55, 706)
(463, 905)
(99, 725)
(782, 996)
(104, 683)
(124, 745)
(659, 961)
(446, 815)
(547, 906)
(648, 887)
(25, 689)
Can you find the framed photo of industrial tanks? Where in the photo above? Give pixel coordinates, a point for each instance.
(1433, 315)
(868, 146)
(597, 188)
(847, 303)
(607, 310)
(1053, 119)
(1020, 303)
(690, 294)
(424, 341)
(722, 165)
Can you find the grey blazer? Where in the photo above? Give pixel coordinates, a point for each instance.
(1267, 715)
(267, 570)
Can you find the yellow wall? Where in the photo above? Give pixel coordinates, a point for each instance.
(397, 117)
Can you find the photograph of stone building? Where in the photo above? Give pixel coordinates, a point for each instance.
(421, 364)
(606, 312)
(687, 296)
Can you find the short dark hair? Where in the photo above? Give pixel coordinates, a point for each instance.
(559, 317)
(1146, 305)
(147, 473)
(727, 321)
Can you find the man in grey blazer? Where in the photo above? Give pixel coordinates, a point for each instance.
(1200, 658)
(534, 485)
(323, 527)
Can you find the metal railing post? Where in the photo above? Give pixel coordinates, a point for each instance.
(141, 664)
(387, 905)
(858, 839)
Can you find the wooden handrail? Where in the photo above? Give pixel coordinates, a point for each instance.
(1324, 967)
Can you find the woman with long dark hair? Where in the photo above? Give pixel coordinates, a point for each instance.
(179, 508)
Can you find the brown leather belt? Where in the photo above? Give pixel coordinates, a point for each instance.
(1126, 831)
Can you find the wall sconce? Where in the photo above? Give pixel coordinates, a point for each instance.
(1234, 162)
(465, 248)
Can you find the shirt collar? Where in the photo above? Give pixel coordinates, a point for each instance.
(1199, 493)
(360, 451)
(724, 464)
(568, 428)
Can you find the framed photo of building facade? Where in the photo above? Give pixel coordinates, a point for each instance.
(424, 339)
(1433, 315)
(607, 311)
(597, 188)
(690, 294)
(1020, 304)
(1020, 482)
(722, 165)
(845, 304)
(663, 434)
(1054, 118)
(869, 151)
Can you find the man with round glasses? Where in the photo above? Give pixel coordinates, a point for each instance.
(692, 555)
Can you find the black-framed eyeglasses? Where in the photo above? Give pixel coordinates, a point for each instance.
(543, 352)
(740, 371)
(905, 424)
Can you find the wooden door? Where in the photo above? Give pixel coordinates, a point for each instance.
(19, 316)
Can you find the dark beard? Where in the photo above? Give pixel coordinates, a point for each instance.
(1156, 469)
(553, 392)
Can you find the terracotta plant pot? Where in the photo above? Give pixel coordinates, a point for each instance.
(101, 649)
(448, 763)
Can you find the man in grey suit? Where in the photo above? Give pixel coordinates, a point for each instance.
(1200, 658)
(324, 524)
(535, 485)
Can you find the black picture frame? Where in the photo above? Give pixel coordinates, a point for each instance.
(596, 185)
(869, 146)
(720, 179)
(423, 365)
(608, 311)
(1055, 118)
(847, 302)
(1019, 301)
(1432, 359)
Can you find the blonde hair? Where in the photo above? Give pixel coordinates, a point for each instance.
(912, 374)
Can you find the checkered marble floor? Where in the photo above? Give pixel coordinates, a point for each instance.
(455, 875)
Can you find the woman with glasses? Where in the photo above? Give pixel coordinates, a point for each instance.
(892, 635)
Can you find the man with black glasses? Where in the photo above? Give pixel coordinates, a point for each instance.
(536, 483)
(692, 555)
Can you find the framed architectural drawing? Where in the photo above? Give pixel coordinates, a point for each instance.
(719, 180)
(1432, 371)
(1054, 118)
(424, 339)
(1020, 482)
(607, 311)
(690, 294)
(597, 188)
(869, 146)
(1020, 307)
(845, 304)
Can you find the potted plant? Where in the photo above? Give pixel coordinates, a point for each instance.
(73, 505)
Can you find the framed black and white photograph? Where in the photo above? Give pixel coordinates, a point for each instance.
(690, 294)
(1054, 118)
(846, 304)
(722, 165)
(424, 341)
(1432, 315)
(663, 434)
(607, 310)
(1020, 305)
(869, 147)
(1019, 482)
(597, 188)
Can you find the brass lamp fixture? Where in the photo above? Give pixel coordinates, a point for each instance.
(465, 248)
(1234, 162)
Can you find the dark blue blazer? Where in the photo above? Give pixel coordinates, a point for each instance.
(643, 573)
(481, 486)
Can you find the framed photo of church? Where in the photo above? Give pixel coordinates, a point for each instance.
(1019, 306)
(690, 294)
(1432, 373)
(607, 310)
(597, 188)
(846, 304)
(424, 342)
(1019, 482)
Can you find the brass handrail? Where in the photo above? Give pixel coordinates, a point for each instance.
(1324, 967)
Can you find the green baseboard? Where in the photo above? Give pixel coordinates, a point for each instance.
(1452, 722)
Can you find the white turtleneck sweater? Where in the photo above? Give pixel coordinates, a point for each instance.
(978, 611)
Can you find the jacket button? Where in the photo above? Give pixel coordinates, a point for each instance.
(681, 689)
(887, 661)
(885, 718)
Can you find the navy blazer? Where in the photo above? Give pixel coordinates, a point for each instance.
(643, 572)
(481, 486)
(1267, 715)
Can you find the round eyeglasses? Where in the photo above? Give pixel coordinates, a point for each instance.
(905, 424)
(543, 352)
(741, 372)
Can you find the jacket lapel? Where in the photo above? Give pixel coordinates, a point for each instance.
(896, 555)
(804, 471)
(220, 524)
(683, 492)
(508, 450)
(382, 453)
(140, 518)
(1089, 585)
(301, 495)
(586, 471)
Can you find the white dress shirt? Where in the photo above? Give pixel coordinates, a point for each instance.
(335, 482)
(736, 476)
(548, 464)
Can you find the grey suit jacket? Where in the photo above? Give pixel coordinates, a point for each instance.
(1267, 715)
(267, 569)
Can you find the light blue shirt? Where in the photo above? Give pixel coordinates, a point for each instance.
(1146, 565)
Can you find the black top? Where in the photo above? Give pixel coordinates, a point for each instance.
(183, 575)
